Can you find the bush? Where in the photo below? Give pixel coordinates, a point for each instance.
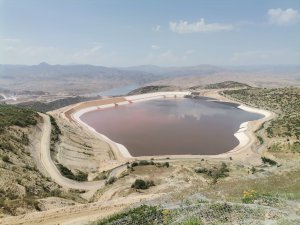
(215, 172)
(166, 164)
(141, 184)
(5, 158)
(111, 180)
(266, 160)
(134, 164)
(145, 163)
(80, 176)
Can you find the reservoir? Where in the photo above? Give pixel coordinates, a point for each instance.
(184, 126)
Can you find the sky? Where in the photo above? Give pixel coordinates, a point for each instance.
(157, 32)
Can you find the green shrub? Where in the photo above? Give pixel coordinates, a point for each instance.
(111, 180)
(134, 164)
(145, 163)
(141, 184)
(147, 215)
(266, 160)
(215, 172)
(80, 176)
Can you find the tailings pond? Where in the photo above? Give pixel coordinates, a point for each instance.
(172, 126)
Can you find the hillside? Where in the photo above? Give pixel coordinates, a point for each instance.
(56, 104)
(68, 78)
(227, 84)
(149, 89)
(24, 185)
(283, 133)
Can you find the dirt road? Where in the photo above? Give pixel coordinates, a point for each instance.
(78, 214)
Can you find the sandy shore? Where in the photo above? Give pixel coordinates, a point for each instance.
(245, 134)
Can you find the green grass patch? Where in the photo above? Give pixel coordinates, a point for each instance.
(79, 176)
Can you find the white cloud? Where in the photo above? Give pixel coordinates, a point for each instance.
(155, 47)
(283, 17)
(198, 26)
(156, 28)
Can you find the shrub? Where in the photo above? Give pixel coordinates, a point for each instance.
(253, 170)
(145, 163)
(5, 158)
(134, 164)
(266, 160)
(141, 184)
(166, 164)
(80, 176)
(111, 180)
(101, 176)
(215, 172)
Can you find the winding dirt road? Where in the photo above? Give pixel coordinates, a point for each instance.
(51, 168)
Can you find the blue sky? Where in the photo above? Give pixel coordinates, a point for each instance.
(159, 32)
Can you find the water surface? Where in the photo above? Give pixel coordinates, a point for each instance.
(171, 126)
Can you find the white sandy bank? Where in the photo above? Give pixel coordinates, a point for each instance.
(242, 134)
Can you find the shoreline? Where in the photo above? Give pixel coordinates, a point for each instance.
(244, 134)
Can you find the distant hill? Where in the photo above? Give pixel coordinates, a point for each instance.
(178, 71)
(85, 79)
(71, 79)
(45, 107)
(227, 84)
(151, 89)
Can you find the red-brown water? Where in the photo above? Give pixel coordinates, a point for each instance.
(171, 126)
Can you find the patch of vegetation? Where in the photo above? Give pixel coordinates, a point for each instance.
(141, 214)
(102, 176)
(227, 84)
(147, 163)
(284, 101)
(266, 160)
(288, 147)
(150, 89)
(253, 197)
(215, 172)
(141, 184)
(260, 139)
(55, 134)
(45, 107)
(79, 176)
(192, 221)
(5, 158)
(111, 180)
(14, 116)
(18, 169)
